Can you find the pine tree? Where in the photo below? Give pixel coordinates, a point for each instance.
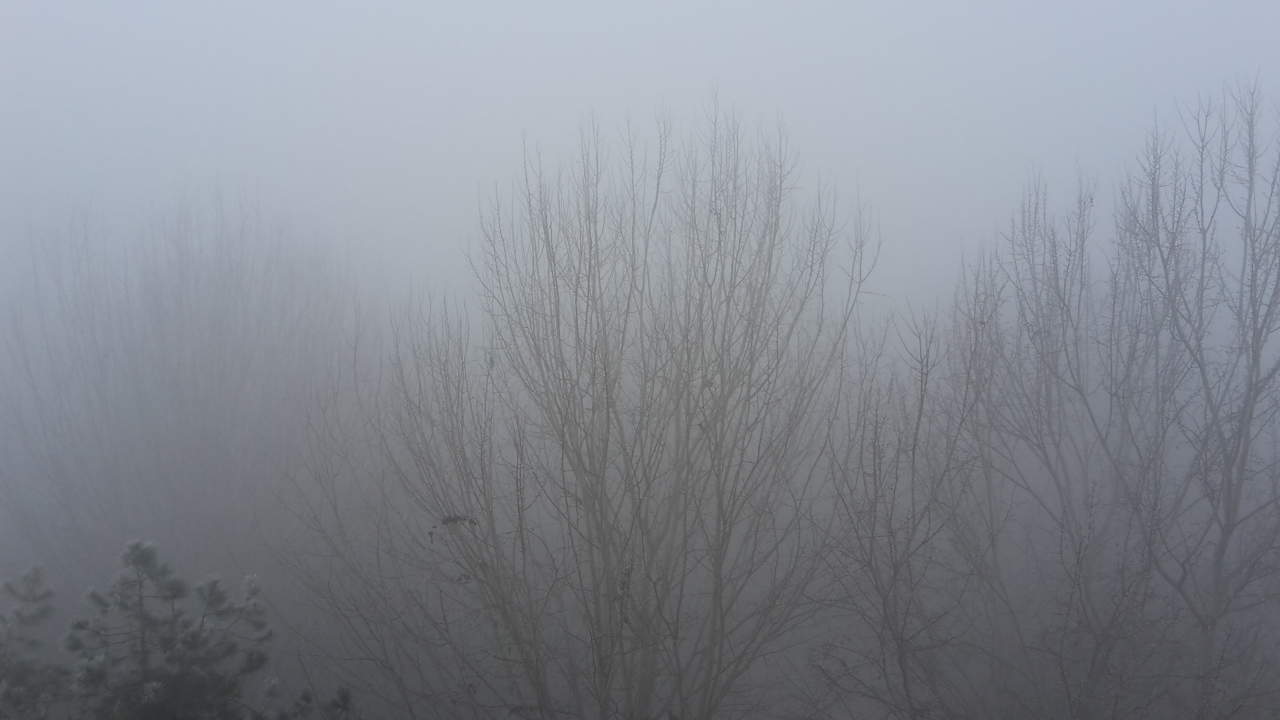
(156, 649)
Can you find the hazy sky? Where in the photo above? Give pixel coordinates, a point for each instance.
(384, 122)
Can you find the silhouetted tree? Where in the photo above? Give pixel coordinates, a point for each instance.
(604, 505)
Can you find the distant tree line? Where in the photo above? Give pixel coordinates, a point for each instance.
(673, 464)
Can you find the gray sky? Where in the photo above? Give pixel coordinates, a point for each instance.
(384, 122)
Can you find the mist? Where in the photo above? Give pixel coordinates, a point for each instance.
(664, 361)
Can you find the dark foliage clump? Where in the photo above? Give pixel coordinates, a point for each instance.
(152, 648)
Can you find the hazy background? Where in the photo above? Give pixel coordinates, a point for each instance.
(168, 336)
(381, 125)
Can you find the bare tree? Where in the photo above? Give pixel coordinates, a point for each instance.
(1060, 425)
(1131, 422)
(1069, 508)
(604, 505)
(900, 473)
(1201, 231)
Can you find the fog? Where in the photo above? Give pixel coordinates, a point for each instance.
(694, 360)
(382, 125)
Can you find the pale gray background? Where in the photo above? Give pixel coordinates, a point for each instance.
(383, 123)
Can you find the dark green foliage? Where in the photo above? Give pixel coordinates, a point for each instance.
(152, 648)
